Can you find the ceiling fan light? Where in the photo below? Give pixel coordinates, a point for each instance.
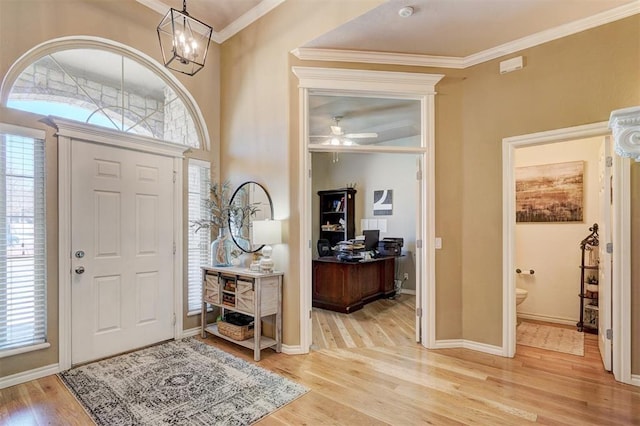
(335, 141)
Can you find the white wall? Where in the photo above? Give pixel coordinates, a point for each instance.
(553, 249)
(373, 172)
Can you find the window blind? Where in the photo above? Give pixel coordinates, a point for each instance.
(199, 242)
(22, 241)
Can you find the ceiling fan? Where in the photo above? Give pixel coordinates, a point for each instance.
(339, 137)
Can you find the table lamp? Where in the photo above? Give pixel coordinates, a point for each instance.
(266, 232)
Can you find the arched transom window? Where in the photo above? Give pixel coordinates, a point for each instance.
(105, 85)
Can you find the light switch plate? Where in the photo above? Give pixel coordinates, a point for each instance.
(438, 243)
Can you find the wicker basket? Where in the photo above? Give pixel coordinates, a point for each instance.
(236, 332)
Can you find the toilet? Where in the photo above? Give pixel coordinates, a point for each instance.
(521, 294)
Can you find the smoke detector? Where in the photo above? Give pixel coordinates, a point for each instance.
(405, 12)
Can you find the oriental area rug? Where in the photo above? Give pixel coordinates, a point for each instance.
(551, 338)
(183, 382)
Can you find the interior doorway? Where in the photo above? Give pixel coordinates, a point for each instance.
(619, 228)
(560, 198)
(387, 321)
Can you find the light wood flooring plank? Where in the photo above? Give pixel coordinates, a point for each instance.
(391, 381)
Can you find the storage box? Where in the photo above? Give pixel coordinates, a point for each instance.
(236, 332)
(390, 246)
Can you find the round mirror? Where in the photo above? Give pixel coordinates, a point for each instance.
(248, 203)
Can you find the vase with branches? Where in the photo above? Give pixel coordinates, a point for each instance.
(223, 212)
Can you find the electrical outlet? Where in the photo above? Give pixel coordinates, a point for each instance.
(406, 276)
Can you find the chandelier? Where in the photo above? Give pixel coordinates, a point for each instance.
(184, 41)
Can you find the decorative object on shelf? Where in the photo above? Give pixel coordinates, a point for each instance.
(267, 232)
(589, 293)
(550, 192)
(184, 41)
(222, 214)
(222, 248)
(250, 202)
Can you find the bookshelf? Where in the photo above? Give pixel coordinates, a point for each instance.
(337, 215)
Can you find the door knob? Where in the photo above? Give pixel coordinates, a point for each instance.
(80, 270)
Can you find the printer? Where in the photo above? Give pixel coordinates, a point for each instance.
(390, 246)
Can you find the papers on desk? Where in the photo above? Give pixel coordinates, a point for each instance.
(350, 245)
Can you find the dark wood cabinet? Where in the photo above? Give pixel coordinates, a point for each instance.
(348, 286)
(337, 215)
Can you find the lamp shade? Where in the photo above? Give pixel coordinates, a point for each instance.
(184, 41)
(266, 232)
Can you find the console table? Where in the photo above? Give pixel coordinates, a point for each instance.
(348, 286)
(252, 293)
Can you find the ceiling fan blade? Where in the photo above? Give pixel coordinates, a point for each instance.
(361, 135)
(321, 136)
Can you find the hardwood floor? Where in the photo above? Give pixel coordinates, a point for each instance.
(402, 384)
(384, 322)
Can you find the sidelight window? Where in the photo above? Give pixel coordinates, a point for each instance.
(22, 239)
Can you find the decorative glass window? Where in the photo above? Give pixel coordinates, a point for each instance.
(199, 242)
(23, 308)
(108, 89)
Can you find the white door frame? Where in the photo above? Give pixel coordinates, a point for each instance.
(621, 285)
(67, 131)
(371, 83)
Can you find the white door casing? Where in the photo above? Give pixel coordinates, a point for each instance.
(620, 232)
(67, 132)
(605, 258)
(122, 250)
(372, 83)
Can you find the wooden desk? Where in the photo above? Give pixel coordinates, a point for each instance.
(346, 287)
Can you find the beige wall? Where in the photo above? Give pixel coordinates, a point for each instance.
(572, 81)
(568, 82)
(24, 25)
(553, 249)
(576, 80)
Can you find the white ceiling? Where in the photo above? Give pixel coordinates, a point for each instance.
(443, 28)
(448, 33)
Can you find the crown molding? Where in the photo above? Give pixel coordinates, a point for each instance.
(342, 55)
(252, 15)
(234, 27)
(554, 33)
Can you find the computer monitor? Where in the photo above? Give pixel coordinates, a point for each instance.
(371, 239)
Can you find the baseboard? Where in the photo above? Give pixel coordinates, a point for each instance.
(547, 318)
(450, 343)
(469, 344)
(27, 376)
(483, 347)
(191, 332)
(635, 379)
(293, 350)
(407, 291)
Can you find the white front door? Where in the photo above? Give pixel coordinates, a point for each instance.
(604, 271)
(122, 290)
